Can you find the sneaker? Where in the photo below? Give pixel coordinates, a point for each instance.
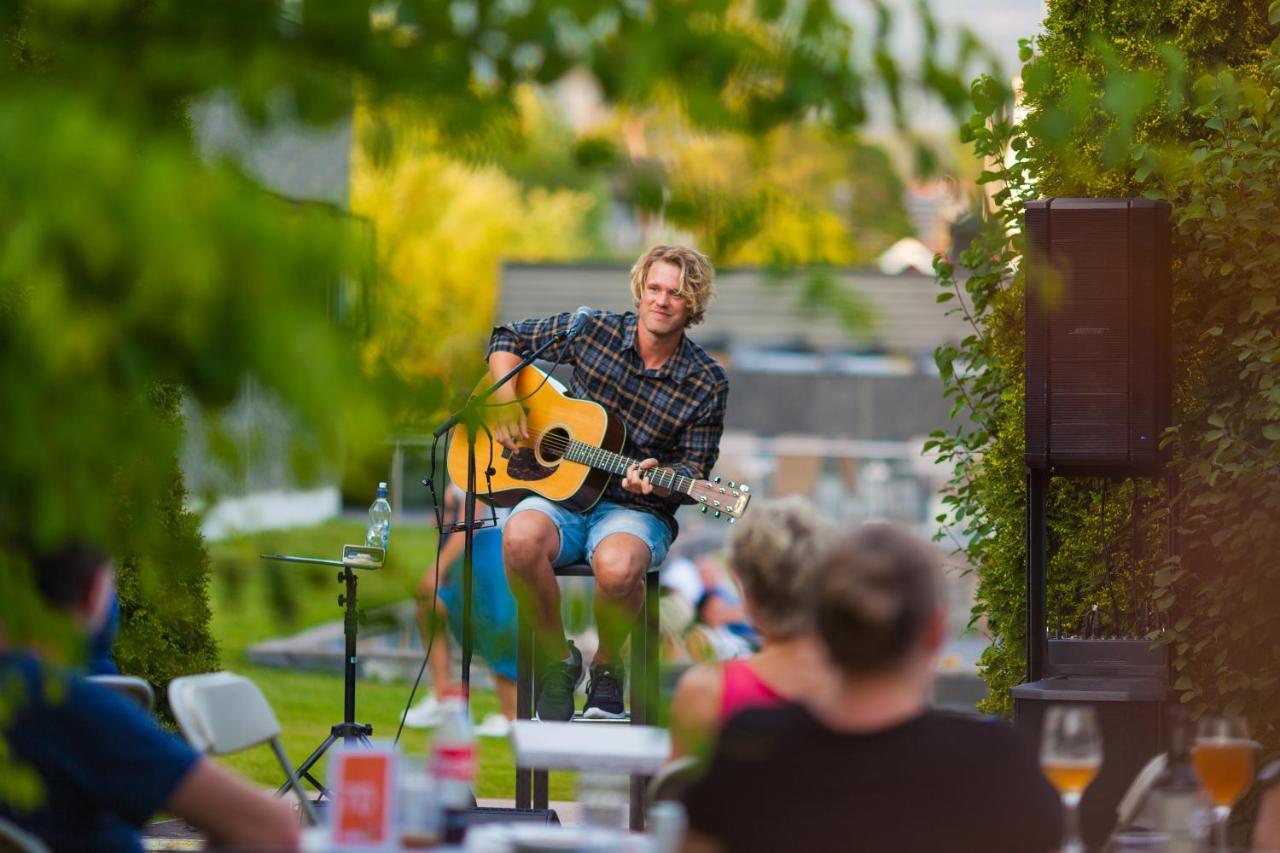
(604, 692)
(557, 682)
(426, 714)
(493, 725)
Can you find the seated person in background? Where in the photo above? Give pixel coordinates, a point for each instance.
(868, 765)
(493, 618)
(773, 552)
(101, 661)
(102, 766)
(718, 628)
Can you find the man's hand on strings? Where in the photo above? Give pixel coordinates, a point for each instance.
(637, 479)
(509, 425)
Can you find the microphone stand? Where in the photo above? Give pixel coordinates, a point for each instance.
(471, 416)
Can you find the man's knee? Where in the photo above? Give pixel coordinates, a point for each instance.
(529, 541)
(619, 567)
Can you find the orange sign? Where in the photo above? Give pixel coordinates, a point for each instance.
(363, 798)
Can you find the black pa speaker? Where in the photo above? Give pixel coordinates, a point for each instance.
(1098, 320)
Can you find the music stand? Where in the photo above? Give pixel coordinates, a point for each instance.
(353, 557)
(471, 415)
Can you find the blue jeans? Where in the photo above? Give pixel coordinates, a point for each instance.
(493, 608)
(581, 533)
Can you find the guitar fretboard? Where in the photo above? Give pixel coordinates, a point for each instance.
(616, 463)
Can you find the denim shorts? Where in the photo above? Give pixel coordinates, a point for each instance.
(582, 532)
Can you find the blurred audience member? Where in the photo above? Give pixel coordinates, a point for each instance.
(718, 629)
(869, 765)
(440, 600)
(773, 553)
(102, 765)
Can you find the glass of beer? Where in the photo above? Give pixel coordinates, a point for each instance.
(1223, 758)
(1070, 755)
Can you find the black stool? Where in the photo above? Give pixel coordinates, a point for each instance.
(531, 785)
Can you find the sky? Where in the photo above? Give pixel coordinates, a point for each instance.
(997, 23)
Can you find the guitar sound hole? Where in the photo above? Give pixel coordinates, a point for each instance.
(553, 444)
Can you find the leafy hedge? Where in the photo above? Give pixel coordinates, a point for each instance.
(164, 590)
(1113, 111)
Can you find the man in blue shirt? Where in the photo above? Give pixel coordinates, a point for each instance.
(102, 766)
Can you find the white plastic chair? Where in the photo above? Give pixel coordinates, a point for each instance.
(14, 839)
(129, 686)
(222, 713)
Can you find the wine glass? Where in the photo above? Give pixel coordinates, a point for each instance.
(1070, 755)
(1223, 758)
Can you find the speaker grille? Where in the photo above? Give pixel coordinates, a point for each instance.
(1097, 317)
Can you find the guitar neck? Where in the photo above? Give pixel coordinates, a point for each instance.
(616, 463)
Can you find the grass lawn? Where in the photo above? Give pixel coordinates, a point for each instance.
(254, 599)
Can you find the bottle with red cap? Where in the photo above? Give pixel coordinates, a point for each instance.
(453, 765)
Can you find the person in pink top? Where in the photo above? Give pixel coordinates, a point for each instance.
(773, 553)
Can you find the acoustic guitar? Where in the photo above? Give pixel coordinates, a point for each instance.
(571, 453)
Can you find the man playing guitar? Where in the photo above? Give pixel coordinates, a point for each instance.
(671, 395)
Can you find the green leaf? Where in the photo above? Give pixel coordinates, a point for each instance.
(1216, 420)
(1273, 12)
(1271, 432)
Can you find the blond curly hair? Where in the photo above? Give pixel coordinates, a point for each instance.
(774, 552)
(696, 277)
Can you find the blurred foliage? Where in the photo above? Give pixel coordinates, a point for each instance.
(132, 270)
(798, 195)
(1172, 125)
(444, 227)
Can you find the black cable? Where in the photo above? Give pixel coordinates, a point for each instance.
(1105, 543)
(545, 377)
(435, 591)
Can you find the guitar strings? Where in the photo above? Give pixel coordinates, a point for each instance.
(552, 439)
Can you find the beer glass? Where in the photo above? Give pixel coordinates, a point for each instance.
(1070, 755)
(1223, 758)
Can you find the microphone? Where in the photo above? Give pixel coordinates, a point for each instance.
(580, 318)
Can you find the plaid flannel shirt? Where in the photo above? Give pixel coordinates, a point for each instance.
(674, 414)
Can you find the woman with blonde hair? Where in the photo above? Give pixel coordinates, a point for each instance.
(773, 554)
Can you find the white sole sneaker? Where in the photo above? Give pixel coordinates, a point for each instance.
(494, 725)
(601, 714)
(427, 714)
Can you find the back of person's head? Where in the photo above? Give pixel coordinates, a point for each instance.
(65, 575)
(774, 552)
(877, 595)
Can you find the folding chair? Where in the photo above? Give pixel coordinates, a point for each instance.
(222, 713)
(14, 839)
(131, 687)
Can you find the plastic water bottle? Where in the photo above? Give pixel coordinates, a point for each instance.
(379, 520)
(453, 765)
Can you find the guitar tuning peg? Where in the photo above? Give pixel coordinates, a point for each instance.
(731, 484)
(717, 479)
(704, 509)
(717, 513)
(745, 488)
(732, 519)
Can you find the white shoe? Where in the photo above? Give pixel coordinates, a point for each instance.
(494, 725)
(425, 715)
